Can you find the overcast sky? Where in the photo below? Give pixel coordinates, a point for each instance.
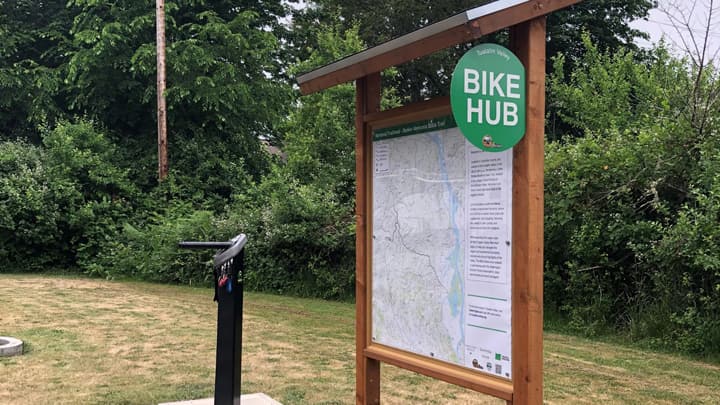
(660, 25)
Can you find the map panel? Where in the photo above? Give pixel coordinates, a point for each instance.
(441, 246)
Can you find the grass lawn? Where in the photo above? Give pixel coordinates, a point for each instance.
(101, 342)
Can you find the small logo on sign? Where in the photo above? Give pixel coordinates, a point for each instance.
(488, 142)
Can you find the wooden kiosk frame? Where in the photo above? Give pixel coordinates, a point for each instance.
(526, 21)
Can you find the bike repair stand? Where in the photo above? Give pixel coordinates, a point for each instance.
(228, 272)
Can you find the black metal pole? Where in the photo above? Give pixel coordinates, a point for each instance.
(229, 337)
(205, 245)
(229, 268)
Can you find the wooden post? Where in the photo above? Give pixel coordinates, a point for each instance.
(161, 106)
(367, 379)
(528, 42)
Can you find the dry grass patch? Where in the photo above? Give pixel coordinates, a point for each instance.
(586, 371)
(100, 342)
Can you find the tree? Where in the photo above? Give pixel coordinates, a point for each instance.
(632, 201)
(606, 22)
(34, 37)
(302, 212)
(381, 20)
(224, 87)
(696, 22)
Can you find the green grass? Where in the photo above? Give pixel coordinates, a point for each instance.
(102, 342)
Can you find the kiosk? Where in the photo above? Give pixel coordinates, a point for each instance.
(449, 244)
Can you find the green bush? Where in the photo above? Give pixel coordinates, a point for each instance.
(301, 238)
(150, 252)
(61, 202)
(632, 213)
(82, 156)
(206, 173)
(299, 218)
(33, 206)
(604, 205)
(687, 279)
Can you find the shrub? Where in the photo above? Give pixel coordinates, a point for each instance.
(604, 204)
(687, 277)
(33, 206)
(301, 238)
(60, 202)
(632, 236)
(150, 251)
(79, 154)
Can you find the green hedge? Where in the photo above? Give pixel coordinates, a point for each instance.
(59, 202)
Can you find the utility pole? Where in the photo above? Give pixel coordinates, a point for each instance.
(161, 106)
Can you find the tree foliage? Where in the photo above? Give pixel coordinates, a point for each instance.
(629, 202)
(607, 22)
(614, 90)
(221, 57)
(302, 212)
(34, 37)
(61, 202)
(632, 202)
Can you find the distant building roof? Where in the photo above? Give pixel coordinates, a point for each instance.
(274, 150)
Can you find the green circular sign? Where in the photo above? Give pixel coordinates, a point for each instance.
(487, 95)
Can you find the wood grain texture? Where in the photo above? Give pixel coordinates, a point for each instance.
(442, 371)
(435, 107)
(465, 33)
(161, 104)
(367, 379)
(528, 43)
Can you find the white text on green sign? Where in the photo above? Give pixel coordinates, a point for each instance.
(487, 95)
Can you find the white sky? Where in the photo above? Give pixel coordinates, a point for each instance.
(660, 25)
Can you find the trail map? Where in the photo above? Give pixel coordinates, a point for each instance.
(441, 234)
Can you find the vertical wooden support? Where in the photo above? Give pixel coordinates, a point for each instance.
(161, 107)
(367, 379)
(528, 42)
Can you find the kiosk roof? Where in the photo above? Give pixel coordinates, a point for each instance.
(464, 27)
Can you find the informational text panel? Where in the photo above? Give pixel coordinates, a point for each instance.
(441, 246)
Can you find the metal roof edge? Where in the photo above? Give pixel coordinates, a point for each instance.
(490, 8)
(415, 36)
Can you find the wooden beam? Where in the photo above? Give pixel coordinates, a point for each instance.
(443, 371)
(410, 112)
(367, 378)
(528, 42)
(385, 60)
(342, 72)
